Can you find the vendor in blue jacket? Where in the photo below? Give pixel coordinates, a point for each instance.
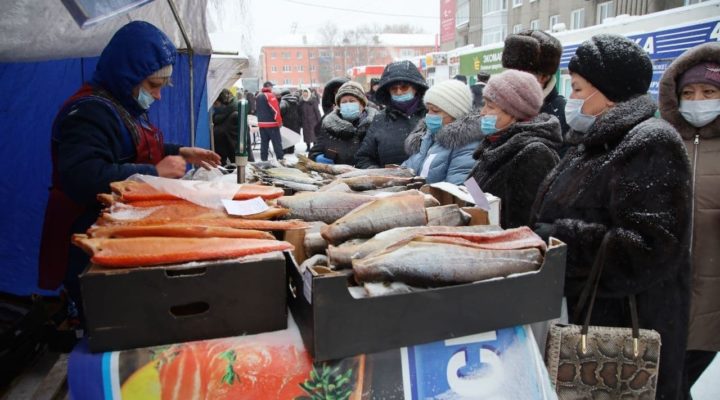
(102, 134)
(441, 147)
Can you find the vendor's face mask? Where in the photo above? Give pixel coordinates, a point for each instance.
(145, 99)
(699, 113)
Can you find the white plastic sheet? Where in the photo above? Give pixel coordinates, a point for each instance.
(205, 193)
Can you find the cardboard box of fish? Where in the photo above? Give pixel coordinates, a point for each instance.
(165, 270)
(404, 269)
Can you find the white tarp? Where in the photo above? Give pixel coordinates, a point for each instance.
(222, 73)
(33, 30)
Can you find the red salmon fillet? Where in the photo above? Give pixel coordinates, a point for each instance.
(176, 230)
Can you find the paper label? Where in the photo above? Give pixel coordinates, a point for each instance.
(245, 207)
(426, 165)
(307, 285)
(477, 194)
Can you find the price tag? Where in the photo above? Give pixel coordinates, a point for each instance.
(477, 194)
(245, 207)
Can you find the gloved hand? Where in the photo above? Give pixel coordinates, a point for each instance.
(324, 160)
(544, 230)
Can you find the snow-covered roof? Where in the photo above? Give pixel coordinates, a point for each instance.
(384, 39)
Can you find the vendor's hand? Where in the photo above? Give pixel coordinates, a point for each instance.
(171, 167)
(207, 159)
(324, 160)
(544, 230)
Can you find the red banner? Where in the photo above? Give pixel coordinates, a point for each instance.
(447, 21)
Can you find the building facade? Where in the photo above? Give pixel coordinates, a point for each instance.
(313, 65)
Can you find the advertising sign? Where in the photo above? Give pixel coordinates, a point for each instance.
(447, 21)
(489, 61)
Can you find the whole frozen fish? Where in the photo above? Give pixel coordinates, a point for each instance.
(322, 206)
(314, 243)
(448, 215)
(399, 172)
(333, 169)
(289, 174)
(341, 256)
(377, 216)
(296, 186)
(337, 186)
(361, 183)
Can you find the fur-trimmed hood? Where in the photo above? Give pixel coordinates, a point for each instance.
(613, 125)
(669, 99)
(452, 136)
(334, 125)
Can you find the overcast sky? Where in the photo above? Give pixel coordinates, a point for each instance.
(272, 19)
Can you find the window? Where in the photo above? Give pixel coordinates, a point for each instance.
(517, 3)
(462, 12)
(273, 55)
(288, 81)
(311, 54)
(535, 24)
(286, 55)
(493, 35)
(554, 20)
(324, 53)
(494, 5)
(287, 68)
(689, 2)
(313, 68)
(407, 53)
(517, 28)
(300, 68)
(604, 10)
(577, 18)
(299, 55)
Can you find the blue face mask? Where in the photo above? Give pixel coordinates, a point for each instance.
(145, 99)
(433, 122)
(403, 98)
(575, 118)
(350, 111)
(487, 124)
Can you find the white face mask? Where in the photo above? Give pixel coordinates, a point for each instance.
(699, 113)
(574, 116)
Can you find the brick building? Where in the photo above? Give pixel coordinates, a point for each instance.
(300, 62)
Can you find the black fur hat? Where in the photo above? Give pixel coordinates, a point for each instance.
(615, 65)
(532, 51)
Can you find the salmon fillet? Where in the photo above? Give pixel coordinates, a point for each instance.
(132, 191)
(148, 251)
(175, 230)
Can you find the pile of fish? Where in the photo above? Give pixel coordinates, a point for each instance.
(143, 226)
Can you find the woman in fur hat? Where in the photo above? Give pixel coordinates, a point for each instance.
(343, 129)
(625, 185)
(442, 145)
(401, 91)
(520, 145)
(309, 115)
(690, 101)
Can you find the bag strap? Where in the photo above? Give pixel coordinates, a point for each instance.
(592, 283)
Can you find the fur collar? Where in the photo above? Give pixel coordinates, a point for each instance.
(613, 125)
(335, 125)
(668, 97)
(454, 135)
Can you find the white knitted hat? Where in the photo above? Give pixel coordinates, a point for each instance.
(164, 72)
(451, 96)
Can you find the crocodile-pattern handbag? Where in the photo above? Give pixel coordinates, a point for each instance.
(598, 362)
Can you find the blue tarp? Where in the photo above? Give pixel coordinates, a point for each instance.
(32, 95)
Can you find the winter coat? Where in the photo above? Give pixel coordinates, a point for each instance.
(703, 145)
(384, 142)
(341, 137)
(513, 165)
(627, 180)
(268, 110)
(225, 130)
(554, 104)
(290, 110)
(477, 92)
(310, 116)
(451, 147)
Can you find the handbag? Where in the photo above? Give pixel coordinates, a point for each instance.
(599, 362)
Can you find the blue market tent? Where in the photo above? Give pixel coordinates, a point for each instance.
(44, 58)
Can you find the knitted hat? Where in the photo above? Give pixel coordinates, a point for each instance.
(516, 92)
(354, 89)
(704, 72)
(451, 96)
(615, 65)
(164, 72)
(532, 51)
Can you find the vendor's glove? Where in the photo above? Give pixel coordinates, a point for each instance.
(544, 230)
(324, 160)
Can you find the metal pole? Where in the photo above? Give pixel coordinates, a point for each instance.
(190, 51)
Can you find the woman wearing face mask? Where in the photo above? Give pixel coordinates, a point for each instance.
(401, 91)
(344, 128)
(520, 145)
(690, 101)
(625, 185)
(442, 145)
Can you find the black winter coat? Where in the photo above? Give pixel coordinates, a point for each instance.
(513, 167)
(340, 137)
(628, 180)
(290, 111)
(310, 116)
(225, 130)
(384, 142)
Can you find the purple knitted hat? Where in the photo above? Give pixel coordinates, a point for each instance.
(704, 72)
(515, 92)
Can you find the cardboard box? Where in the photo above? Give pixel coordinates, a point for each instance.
(129, 308)
(447, 193)
(334, 325)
